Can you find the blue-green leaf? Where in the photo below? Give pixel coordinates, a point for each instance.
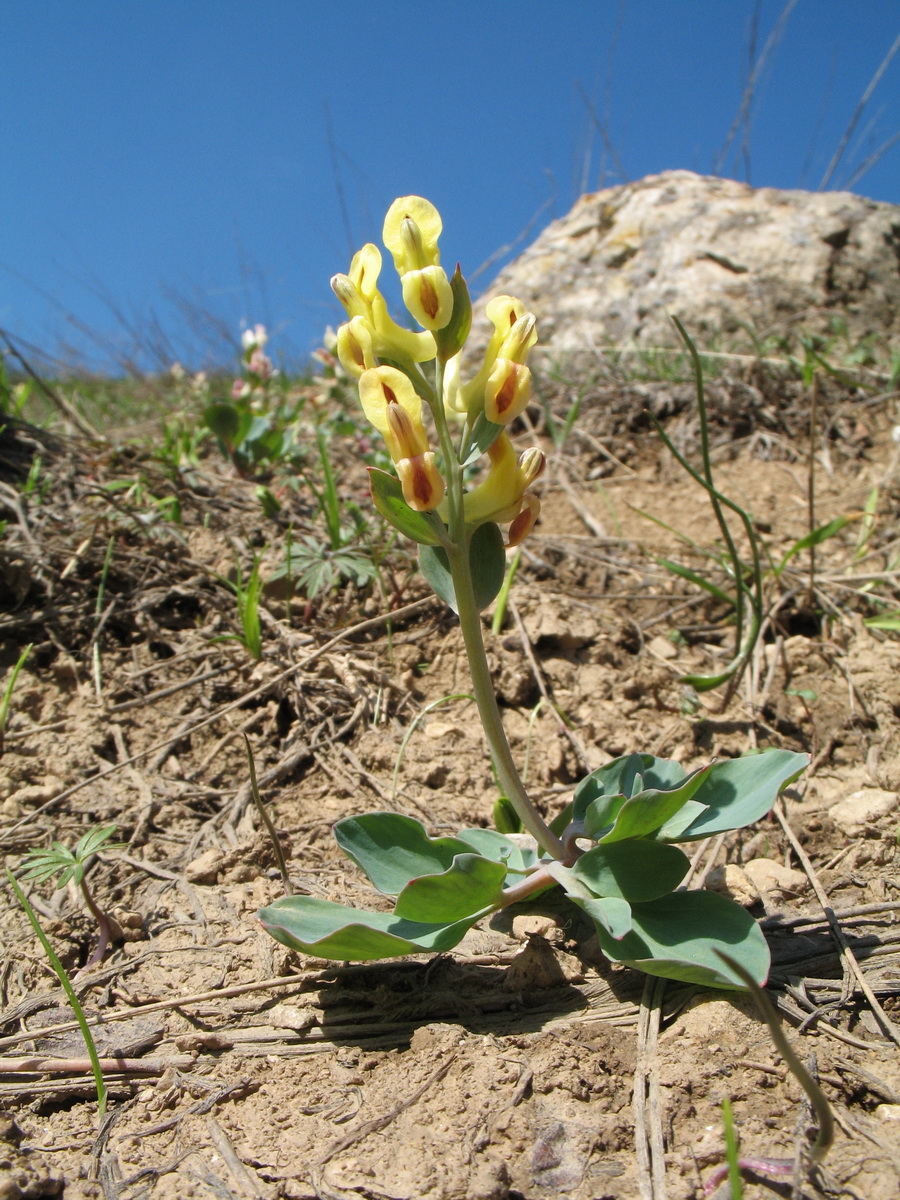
(633, 870)
(393, 849)
(328, 930)
(677, 937)
(618, 778)
(645, 812)
(482, 436)
(487, 558)
(738, 791)
(612, 913)
(470, 885)
(387, 495)
(500, 848)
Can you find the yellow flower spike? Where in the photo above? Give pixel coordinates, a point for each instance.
(354, 346)
(412, 248)
(423, 486)
(391, 403)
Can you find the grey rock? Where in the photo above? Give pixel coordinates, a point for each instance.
(723, 257)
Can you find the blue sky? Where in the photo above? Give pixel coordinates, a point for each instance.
(172, 168)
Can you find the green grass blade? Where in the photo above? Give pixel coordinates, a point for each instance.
(68, 989)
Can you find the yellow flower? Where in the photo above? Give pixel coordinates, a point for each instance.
(500, 496)
(355, 348)
(359, 294)
(392, 404)
(502, 387)
(524, 522)
(411, 231)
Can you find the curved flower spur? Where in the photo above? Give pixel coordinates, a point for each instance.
(613, 848)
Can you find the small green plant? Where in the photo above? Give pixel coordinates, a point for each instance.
(9, 688)
(256, 426)
(61, 864)
(744, 592)
(613, 850)
(71, 995)
(313, 567)
(247, 595)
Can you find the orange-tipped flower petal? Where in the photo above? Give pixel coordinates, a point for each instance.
(392, 404)
(523, 524)
(423, 486)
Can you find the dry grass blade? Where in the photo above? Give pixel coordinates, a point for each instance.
(848, 957)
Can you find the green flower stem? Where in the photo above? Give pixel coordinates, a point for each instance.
(470, 623)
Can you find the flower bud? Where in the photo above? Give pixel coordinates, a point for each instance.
(531, 466)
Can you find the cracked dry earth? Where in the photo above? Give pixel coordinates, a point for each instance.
(523, 1064)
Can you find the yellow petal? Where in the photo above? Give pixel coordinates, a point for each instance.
(507, 391)
(428, 296)
(428, 221)
(354, 346)
(365, 268)
(500, 490)
(523, 524)
(393, 341)
(382, 388)
(423, 486)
